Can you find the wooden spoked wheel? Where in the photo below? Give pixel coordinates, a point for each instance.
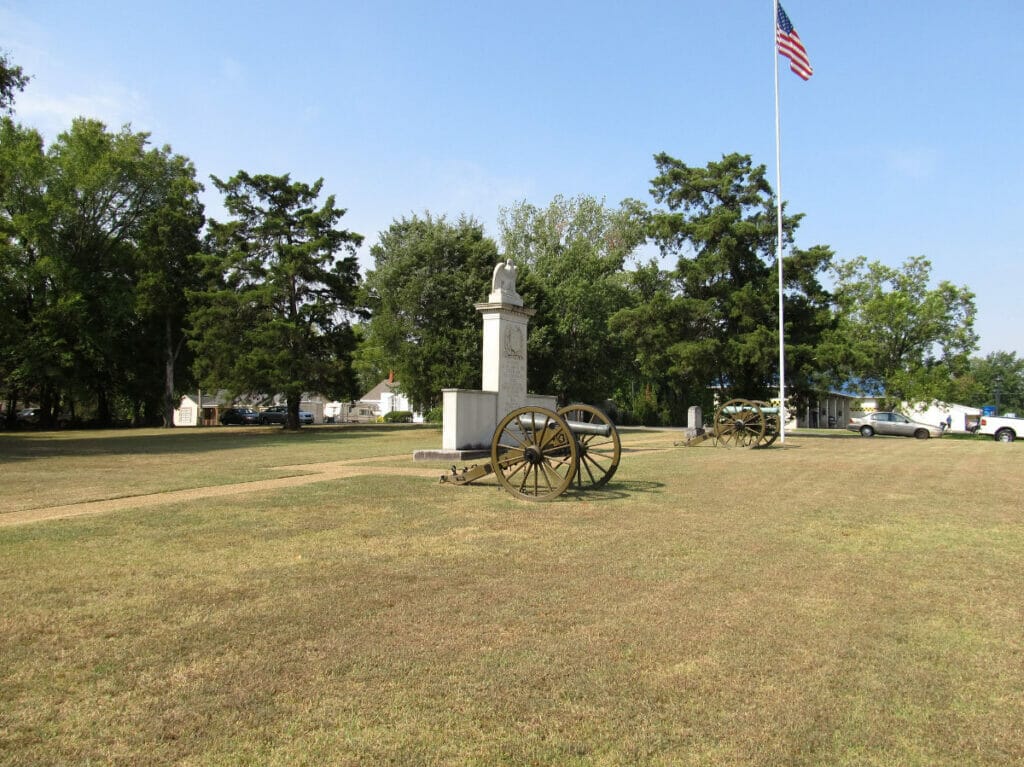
(534, 454)
(771, 424)
(739, 423)
(597, 442)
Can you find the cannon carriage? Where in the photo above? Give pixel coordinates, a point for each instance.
(538, 454)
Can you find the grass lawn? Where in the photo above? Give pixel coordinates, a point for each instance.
(834, 601)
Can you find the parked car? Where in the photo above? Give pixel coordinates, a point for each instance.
(28, 418)
(279, 414)
(239, 416)
(276, 414)
(895, 424)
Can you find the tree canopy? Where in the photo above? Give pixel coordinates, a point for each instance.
(76, 219)
(896, 334)
(275, 313)
(105, 272)
(712, 321)
(427, 275)
(12, 79)
(571, 256)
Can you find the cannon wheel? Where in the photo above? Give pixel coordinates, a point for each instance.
(598, 455)
(739, 423)
(534, 454)
(771, 426)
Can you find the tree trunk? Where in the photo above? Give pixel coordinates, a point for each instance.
(102, 406)
(169, 357)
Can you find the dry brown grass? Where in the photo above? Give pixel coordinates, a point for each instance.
(838, 601)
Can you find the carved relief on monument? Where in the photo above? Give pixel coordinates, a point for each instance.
(515, 342)
(513, 379)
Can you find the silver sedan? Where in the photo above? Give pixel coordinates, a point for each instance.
(895, 424)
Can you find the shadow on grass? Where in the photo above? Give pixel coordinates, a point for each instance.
(25, 446)
(618, 490)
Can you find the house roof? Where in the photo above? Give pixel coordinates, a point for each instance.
(209, 400)
(220, 399)
(384, 387)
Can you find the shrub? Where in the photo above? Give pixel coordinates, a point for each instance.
(398, 416)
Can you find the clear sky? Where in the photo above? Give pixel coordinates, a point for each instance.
(906, 141)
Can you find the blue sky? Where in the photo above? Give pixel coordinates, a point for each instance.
(907, 141)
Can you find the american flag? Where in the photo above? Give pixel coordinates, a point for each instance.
(791, 47)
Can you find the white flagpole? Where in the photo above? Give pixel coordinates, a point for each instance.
(778, 241)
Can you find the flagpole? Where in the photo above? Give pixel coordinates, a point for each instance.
(778, 240)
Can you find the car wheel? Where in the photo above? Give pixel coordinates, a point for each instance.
(867, 431)
(1005, 435)
(921, 434)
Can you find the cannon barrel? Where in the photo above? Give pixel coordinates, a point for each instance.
(538, 421)
(597, 429)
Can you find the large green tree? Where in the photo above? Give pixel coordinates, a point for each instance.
(572, 255)
(719, 321)
(103, 193)
(996, 379)
(282, 277)
(428, 273)
(166, 246)
(23, 284)
(75, 218)
(896, 334)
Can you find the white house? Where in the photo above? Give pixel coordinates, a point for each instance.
(387, 397)
(190, 413)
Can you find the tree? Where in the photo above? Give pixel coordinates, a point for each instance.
(73, 219)
(720, 322)
(647, 327)
(22, 283)
(571, 256)
(12, 79)
(103, 192)
(996, 379)
(897, 335)
(168, 241)
(427, 276)
(275, 313)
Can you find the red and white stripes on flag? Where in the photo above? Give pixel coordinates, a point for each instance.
(791, 47)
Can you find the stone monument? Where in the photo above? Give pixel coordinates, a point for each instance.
(471, 416)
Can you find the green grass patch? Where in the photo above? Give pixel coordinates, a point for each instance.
(837, 601)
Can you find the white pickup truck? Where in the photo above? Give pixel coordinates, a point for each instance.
(1003, 428)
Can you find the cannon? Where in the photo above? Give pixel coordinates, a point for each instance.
(537, 454)
(741, 423)
(746, 423)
